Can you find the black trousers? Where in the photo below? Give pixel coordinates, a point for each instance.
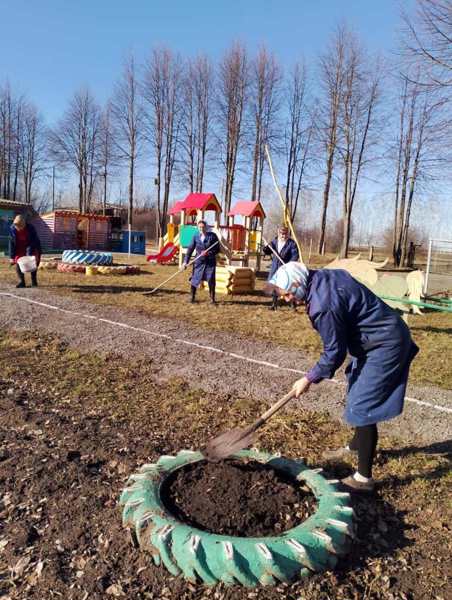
(365, 443)
(21, 276)
(211, 291)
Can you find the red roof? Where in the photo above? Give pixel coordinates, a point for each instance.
(201, 202)
(177, 207)
(247, 208)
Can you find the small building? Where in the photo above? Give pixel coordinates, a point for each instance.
(120, 241)
(68, 229)
(8, 210)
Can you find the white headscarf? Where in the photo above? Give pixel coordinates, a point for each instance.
(291, 278)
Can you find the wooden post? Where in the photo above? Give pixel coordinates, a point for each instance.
(259, 234)
(371, 253)
(247, 241)
(182, 223)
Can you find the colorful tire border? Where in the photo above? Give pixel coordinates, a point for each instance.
(312, 546)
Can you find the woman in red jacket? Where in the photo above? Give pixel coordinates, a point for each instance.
(24, 242)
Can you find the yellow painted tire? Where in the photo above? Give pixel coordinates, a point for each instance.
(48, 265)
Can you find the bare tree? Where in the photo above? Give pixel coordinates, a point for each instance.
(332, 81)
(265, 79)
(32, 148)
(429, 41)
(196, 122)
(233, 82)
(299, 135)
(357, 121)
(11, 113)
(161, 89)
(421, 152)
(107, 152)
(127, 112)
(73, 143)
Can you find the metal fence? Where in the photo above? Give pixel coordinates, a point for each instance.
(439, 264)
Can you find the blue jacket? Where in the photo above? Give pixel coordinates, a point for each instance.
(204, 267)
(350, 318)
(33, 243)
(289, 252)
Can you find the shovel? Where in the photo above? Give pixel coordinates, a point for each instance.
(234, 440)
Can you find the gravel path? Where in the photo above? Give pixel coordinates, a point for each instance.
(212, 361)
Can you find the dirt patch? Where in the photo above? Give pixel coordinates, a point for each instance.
(73, 428)
(239, 498)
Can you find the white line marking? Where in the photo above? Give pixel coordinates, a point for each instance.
(263, 363)
(422, 403)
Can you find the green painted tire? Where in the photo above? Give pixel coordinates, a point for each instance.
(312, 546)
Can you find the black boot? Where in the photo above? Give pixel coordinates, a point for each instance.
(274, 304)
(192, 294)
(21, 277)
(212, 294)
(34, 279)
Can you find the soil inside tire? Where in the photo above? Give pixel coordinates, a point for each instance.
(237, 497)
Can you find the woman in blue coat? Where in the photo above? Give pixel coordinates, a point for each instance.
(207, 246)
(282, 249)
(351, 319)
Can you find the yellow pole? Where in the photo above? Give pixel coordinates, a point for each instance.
(286, 215)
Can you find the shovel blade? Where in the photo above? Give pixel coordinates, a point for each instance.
(226, 444)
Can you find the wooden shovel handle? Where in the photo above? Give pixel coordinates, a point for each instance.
(269, 413)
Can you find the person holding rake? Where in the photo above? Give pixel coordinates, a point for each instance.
(207, 247)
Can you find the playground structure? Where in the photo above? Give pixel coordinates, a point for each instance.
(239, 241)
(232, 280)
(167, 254)
(245, 239)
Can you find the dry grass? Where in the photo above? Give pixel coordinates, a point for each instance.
(247, 315)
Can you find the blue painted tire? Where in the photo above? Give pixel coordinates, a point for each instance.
(199, 556)
(85, 257)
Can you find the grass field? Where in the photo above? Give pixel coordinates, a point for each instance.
(247, 315)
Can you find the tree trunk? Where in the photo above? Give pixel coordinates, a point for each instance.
(326, 196)
(131, 177)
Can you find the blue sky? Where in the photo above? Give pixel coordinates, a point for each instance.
(49, 48)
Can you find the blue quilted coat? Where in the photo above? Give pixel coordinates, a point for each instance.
(351, 319)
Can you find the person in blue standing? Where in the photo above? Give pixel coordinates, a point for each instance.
(282, 249)
(351, 319)
(207, 247)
